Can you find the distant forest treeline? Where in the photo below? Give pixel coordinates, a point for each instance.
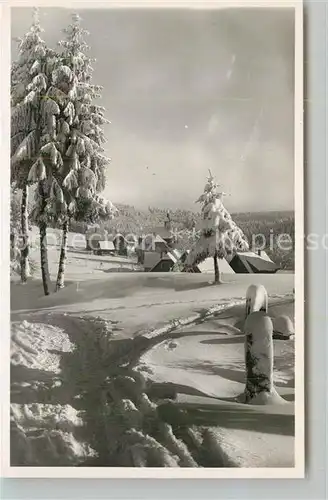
(131, 220)
(269, 224)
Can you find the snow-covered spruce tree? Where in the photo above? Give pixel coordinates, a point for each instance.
(33, 128)
(220, 236)
(15, 210)
(24, 73)
(79, 138)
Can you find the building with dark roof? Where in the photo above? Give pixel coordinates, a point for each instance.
(249, 262)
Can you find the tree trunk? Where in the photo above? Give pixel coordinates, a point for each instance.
(24, 263)
(62, 259)
(43, 243)
(216, 269)
(44, 258)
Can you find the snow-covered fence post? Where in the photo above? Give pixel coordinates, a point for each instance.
(258, 355)
(256, 299)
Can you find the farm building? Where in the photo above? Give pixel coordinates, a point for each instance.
(93, 235)
(208, 266)
(177, 253)
(157, 243)
(264, 255)
(159, 236)
(242, 262)
(166, 262)
(125, 246)
(150, 259)
(106, 248)
(164, 265)
(158, 240)
(156, 263)
(250, 262)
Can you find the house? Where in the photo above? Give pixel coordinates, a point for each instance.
(264, 255)
(158, 240)
(250, 262)
(164, 234)
(176, 253)
(160, 244)
(93, 235)
(130, 247)
(150, 259)
(166, 262)
(106, 248)
(207, 266)
(164, 265)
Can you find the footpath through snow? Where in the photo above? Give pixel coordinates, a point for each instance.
(82, 405)
(85, 391)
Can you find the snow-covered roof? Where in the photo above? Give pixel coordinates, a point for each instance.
(161, 231)
(106, 245)
(207, 266)
(163, 265)
(170, 255)
(263, 255)
(159, 239)
(177, 253)
(250, 262)
(150, 259)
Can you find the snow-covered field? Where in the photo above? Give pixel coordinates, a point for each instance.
(92, 383)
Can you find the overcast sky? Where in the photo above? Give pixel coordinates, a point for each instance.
(187, 91)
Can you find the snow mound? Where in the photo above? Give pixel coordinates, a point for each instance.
(82, 395)
(43, 435)
(51, 416)
(240, 448)
(283, 325)
(114, 423)
(38, 346)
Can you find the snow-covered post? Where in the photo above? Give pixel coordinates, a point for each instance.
(258, 355)
(256, 299)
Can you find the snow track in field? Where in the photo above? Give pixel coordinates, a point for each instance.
(80, 395)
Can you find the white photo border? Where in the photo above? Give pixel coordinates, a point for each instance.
(93, 472)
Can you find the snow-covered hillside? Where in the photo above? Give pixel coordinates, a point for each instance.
(88, 357)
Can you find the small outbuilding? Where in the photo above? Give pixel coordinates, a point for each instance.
(106, 248)
(164, 265)
(207, 266)
(250, 262)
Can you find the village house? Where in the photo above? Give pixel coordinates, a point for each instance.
(155, 245)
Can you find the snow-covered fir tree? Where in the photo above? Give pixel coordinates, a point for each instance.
(33, 124)
(220, 236)
(21, 77)
(82, 174)
(15, 229)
